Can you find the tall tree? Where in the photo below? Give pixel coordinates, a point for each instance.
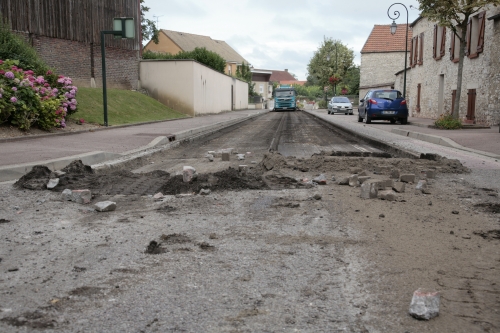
(332, 60)
(454, 14)
(148, 27)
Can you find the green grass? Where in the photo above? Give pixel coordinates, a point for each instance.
(124, 107)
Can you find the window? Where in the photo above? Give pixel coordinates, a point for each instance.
(229, 69)
(261, 88)
(438, 45)
(417, 50)
(455, 46)
(475, 35)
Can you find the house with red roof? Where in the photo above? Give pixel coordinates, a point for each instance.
(382, 56)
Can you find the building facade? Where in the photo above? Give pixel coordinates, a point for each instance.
(433, 58)
(66, 34)
(174, 42)
(382, 55)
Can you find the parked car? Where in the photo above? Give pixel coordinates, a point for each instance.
(387, 104)
(340, 104)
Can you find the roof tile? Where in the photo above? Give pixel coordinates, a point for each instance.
(381, 39)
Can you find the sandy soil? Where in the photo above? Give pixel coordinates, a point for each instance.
(264, 252)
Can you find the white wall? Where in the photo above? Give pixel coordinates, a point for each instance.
(192, 88)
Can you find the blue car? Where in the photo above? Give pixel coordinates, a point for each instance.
(386, 104)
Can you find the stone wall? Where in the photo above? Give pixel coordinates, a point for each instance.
(438, 78)
(379, 68)
(73, 59)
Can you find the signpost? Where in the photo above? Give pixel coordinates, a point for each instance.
(124, 27)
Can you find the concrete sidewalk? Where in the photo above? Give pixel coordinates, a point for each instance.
(18, 156)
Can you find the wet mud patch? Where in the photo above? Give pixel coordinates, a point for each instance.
(85, 291)
(489, 207)
(175, 239)
(32, 320)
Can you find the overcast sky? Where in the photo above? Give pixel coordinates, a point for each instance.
(278, 34)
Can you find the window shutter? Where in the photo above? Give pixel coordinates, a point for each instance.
(415, 52)
(421, 51)
(411, 52)
(480, 40)
(452, 48)
(443, 43)
(419, 87)
(468, 36)
(434, 44)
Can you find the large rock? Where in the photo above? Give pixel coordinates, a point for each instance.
(105, 206)
(188, 174)
(425, 304)
(52, 183)
(395, 173)
(240, 157)
(344, 181)
(422, 187)
(363, 179)
(320, 180)
(369, 189)
(355, 170)
(78, 196)
(388, 195)
(387, 183)
(399, 187)
(408, 178)
(353, 181)
(225, 156)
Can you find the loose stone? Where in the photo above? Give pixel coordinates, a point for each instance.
(52, 183)
(105, 206)
(425, 304)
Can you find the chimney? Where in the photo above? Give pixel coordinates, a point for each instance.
(286, 70)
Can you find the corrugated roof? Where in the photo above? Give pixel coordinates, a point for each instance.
(381, 39)
(188, 42)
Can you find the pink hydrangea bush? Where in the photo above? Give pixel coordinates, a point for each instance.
(27, 99)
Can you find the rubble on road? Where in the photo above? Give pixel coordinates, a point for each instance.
(320, 180)
(388, 195)
(425, 304)
(52, 183)
(399, 187)
(189, 174)
(407, 178)
(369, 189)
(353, 180)
(105, 206)
(78, 196)
(225, 156)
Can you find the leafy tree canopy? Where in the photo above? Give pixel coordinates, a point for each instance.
(340, 61)
(243, 72)
(148, 27)
(453, 13)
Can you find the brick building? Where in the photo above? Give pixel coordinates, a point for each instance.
(66, 34)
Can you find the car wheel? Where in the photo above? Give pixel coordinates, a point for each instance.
(346, 113)
(404, 121)
(368, 119)
(393, 121)
(329, 112)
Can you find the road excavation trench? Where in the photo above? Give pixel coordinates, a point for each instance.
(265, 251)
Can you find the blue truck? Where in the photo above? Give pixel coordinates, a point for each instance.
(285, 98)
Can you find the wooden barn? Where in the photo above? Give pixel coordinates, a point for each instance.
(66, 34)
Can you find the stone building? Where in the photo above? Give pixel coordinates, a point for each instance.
(433, 57)
(382, 55)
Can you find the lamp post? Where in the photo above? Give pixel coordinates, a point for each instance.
(394, 27)
(123, 28)
(326, 86)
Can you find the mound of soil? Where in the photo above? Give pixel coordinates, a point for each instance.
(36, 179)
(229, 179)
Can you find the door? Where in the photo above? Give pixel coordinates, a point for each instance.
(471, 106)
(362, 106)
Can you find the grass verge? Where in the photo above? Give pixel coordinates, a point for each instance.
(124, 107)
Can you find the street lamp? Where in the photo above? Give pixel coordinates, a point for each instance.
(394, 27)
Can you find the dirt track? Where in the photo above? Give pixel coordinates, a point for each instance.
(239, 260)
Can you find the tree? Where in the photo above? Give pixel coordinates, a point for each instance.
(351, 80)
(455, 16)
(148, 27)
(330, 63)
(244, 73)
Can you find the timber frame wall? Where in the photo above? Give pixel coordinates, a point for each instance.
(66, 34)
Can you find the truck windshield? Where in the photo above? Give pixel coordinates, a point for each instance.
(285, 93)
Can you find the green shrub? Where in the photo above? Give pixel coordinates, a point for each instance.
(27, 99)
(446, 121)
(202, 55)
(15, 47)
(322, 104)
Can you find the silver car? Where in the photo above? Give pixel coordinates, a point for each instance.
(340, 105)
